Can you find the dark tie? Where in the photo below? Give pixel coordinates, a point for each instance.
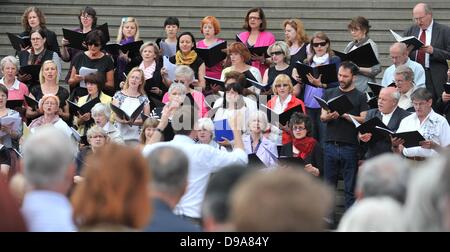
(421, 53)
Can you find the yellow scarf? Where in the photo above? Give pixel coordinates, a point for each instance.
(182, 59)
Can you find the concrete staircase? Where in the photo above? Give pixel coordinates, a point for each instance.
(325, 15)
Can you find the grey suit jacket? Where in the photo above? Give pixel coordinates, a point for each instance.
(440, 40)
(384, 145)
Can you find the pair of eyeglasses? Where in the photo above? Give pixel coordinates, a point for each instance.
(281, 85)
(295, 128)
(98, 136)
(276, 53)
(86, 17)
(322, 44)
(254, 18)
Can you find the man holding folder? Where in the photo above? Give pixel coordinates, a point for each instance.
(432, 126)
(390, 114)
(432, 56)
(341, 140)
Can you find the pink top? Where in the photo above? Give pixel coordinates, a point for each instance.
(17, 91)
(199, 99)
(264, 39)
(215, 71)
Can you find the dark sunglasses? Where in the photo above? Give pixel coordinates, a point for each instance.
(322, 44)
(276, 53)
(94, 43)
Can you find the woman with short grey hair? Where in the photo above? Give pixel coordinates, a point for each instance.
(256, 143)
(205, 133)
(101, 115)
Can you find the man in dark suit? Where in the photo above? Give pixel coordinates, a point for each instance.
(390, 114)
(436, 51)
(169, 167)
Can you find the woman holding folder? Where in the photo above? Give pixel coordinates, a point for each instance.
(94, 86)
(90, 61)
(210, 27)
(282, 101)
(88, 22)
(257, 36)
(279, 52)
(128, 33)
(33, 19)
(11, 126)
(16, 89)
(359, 29)
(151, 63)
(303, 145)
(239, 54)
(128, 100)
(49, 85)
(36, 55)
(321, 54)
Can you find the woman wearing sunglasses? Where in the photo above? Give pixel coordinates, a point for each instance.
(279, 52)
(93, 58)
(321, 54)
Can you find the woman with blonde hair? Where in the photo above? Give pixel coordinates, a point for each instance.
(129, 99)
(119, 176)
(128, 32)
(279, 52)
(282, 100)
(48, 77)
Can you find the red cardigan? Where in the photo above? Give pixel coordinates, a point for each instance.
(286, 137)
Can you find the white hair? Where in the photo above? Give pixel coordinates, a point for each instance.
(101, 109)
(378, 214)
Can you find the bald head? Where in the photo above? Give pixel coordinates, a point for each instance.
(388, 100)
(422, 15)
(398, 53)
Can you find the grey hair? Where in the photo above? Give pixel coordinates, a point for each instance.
(185, 71)
(206, 123)
(177, 86)
(169, 167)
(96, 130)
(47, 155)
(396, 95)
(9, 59)
(261, 117)
(427, 8)
(423, 207)
(101, 109)
(283, 47)
(406, 72)
(421, 94)
(384, 175)
(379, 214)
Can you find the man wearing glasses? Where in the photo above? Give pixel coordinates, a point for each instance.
(436, 50)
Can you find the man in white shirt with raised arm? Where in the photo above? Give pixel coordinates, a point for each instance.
(203, 159)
